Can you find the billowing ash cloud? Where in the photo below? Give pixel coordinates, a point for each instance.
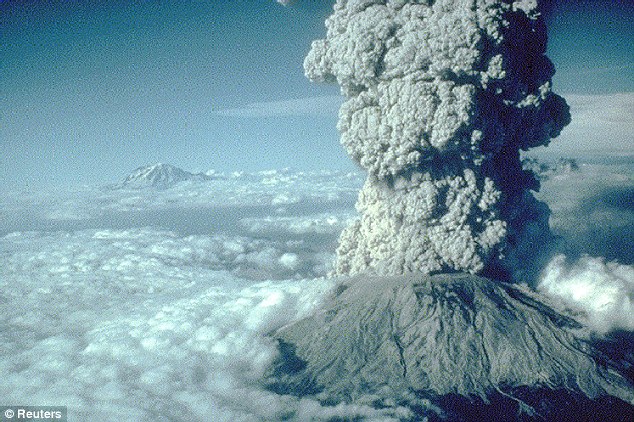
(441, 96)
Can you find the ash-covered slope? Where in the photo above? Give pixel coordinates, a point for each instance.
(460, 344)
(160, 176)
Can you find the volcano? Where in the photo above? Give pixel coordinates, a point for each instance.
(452, 346)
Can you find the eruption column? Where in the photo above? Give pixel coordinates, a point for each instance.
(441, 96)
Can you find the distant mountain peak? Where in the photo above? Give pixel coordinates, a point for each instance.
(160, 176)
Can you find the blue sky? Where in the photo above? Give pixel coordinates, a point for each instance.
(591, 43)
(90, 90)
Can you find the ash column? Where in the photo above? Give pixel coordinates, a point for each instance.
(441, 96)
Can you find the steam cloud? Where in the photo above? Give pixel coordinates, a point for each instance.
(441, 96)
(602, 292)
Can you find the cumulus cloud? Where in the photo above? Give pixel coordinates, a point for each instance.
(147, 325)
(593, 212)
(127, 257)
(440, 98)
(600, 292)
(593, 209)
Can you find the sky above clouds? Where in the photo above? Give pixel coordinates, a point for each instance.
(92, 90)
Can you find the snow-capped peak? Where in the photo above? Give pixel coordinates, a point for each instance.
(161, 176)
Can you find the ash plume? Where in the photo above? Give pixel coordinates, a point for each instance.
(441, 96)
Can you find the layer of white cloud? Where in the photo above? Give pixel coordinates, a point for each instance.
(190, 206)
(329, 223)
(146, 325)
(600, 123)
(149, 323)
(320, 106)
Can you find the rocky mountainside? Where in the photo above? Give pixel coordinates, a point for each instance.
(451, 346)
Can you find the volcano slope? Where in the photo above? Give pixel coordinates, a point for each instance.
(451, 346)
